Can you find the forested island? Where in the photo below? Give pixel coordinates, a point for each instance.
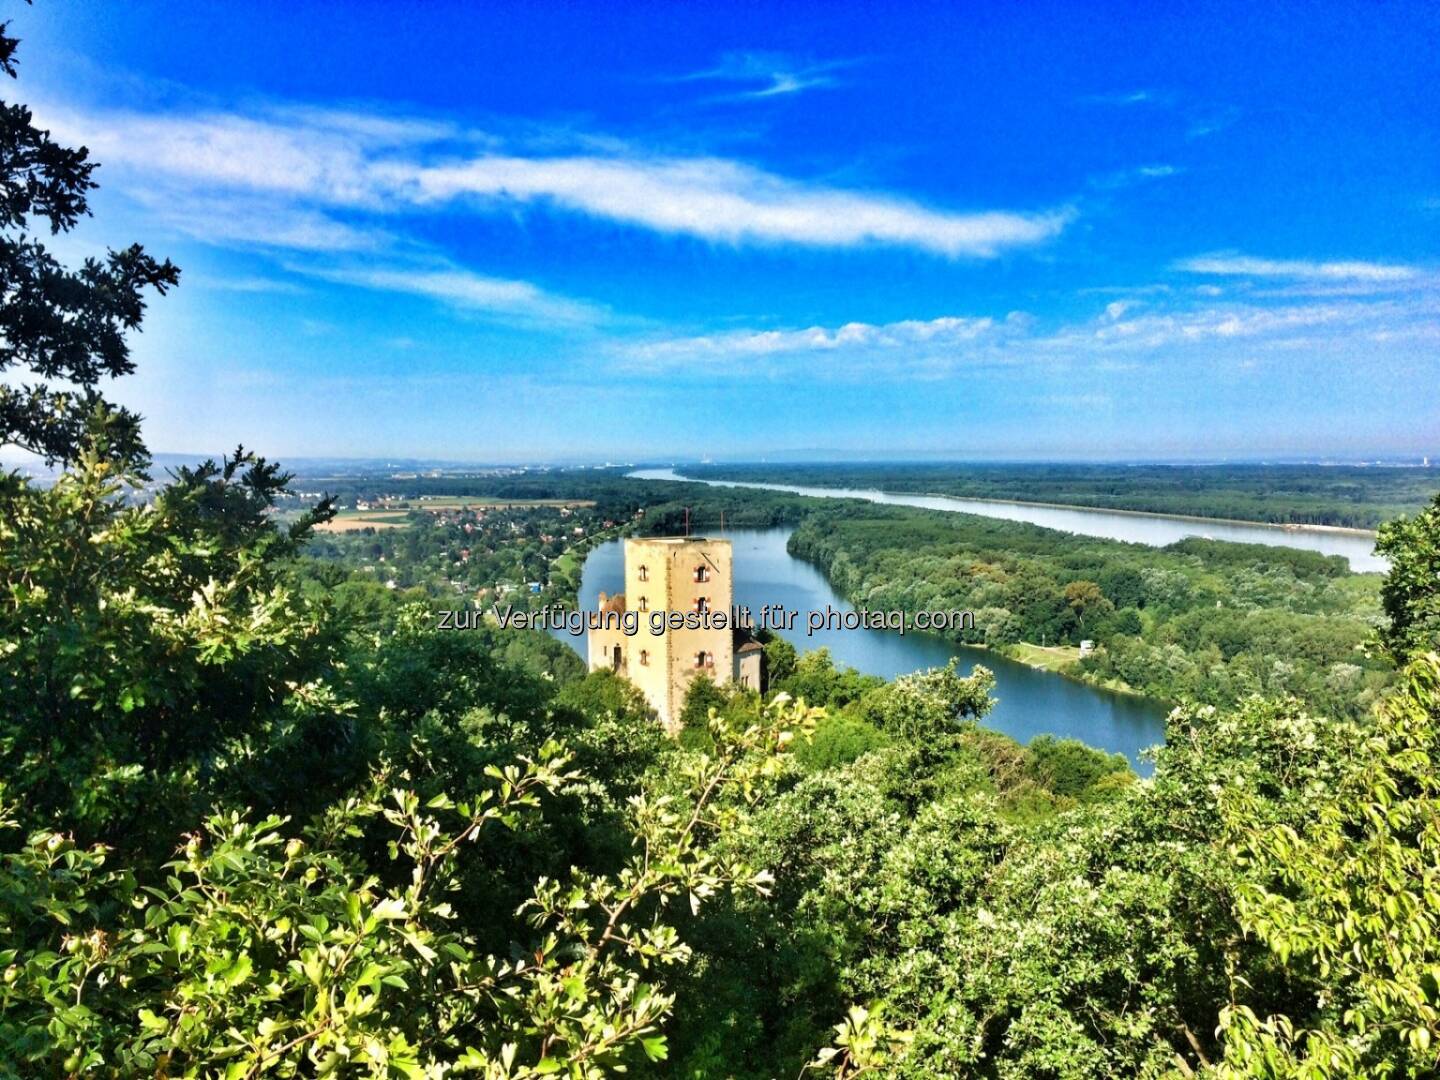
(259, 818)
(1199, 620)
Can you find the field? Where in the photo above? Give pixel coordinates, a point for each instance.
(1053, 658)
(355, 520)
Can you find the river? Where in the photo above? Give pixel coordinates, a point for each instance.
(1029, 701)
(1156, 530)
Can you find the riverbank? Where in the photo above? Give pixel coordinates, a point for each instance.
(1284, 526)
(1059, 660)
(1153, 529)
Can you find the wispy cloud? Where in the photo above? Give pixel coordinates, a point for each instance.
(733, 345)
(768, 74)
(1122, 178)
(245, 220)
(1125, 334)
(1124, 98)
(1209, 120)
(922, 349)
(719, 200)
(250, 284)
(310, 164)
(1236, 265)
(463, 290)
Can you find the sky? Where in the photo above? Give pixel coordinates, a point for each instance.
(623, 231)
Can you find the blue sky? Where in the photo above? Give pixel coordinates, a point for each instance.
(565, 231)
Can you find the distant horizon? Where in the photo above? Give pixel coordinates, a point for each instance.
(1378, 460)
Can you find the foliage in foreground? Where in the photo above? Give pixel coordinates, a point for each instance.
(256, 952)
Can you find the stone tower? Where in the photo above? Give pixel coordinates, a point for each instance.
(663, 575)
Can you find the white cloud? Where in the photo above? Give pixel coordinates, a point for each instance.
(1117, 337)
(720, 200)
(1237, 321)
(816, 338)
(911, 348)
(305, 159)
(220, 150)
(1235, 265)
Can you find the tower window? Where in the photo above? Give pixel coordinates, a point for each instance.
(643, 573)
(642, 604)
(702, 573)
(702, 603)
(644, 657)
(704, 659)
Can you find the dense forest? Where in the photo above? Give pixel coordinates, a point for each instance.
(1342, 495)
(259, 818)
(1199, 620)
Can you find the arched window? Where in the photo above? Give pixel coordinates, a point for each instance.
(644, 657)
(643, 573)
(643, 604)
(702, 603)
(702, 573)
(704, 659)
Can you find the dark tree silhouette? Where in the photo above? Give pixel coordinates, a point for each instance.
(64, 329)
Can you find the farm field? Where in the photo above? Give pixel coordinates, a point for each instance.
(355, 520)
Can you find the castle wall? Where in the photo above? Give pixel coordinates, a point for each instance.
(665, 574)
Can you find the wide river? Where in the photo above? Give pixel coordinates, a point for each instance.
(1029, 702)
(1157, 530)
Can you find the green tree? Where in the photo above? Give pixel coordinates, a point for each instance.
(921, 707)
(1349, 902)
(701, 697)
(1086, 600)
(780, 659)
(148, 651)
(1411, 593)
(256, 952)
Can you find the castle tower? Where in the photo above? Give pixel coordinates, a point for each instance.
(664, 575)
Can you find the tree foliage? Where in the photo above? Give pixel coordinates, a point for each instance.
(1411, 593)
(56, 324)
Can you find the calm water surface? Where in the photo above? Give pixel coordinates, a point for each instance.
(1029, 702)
(1157, 530)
